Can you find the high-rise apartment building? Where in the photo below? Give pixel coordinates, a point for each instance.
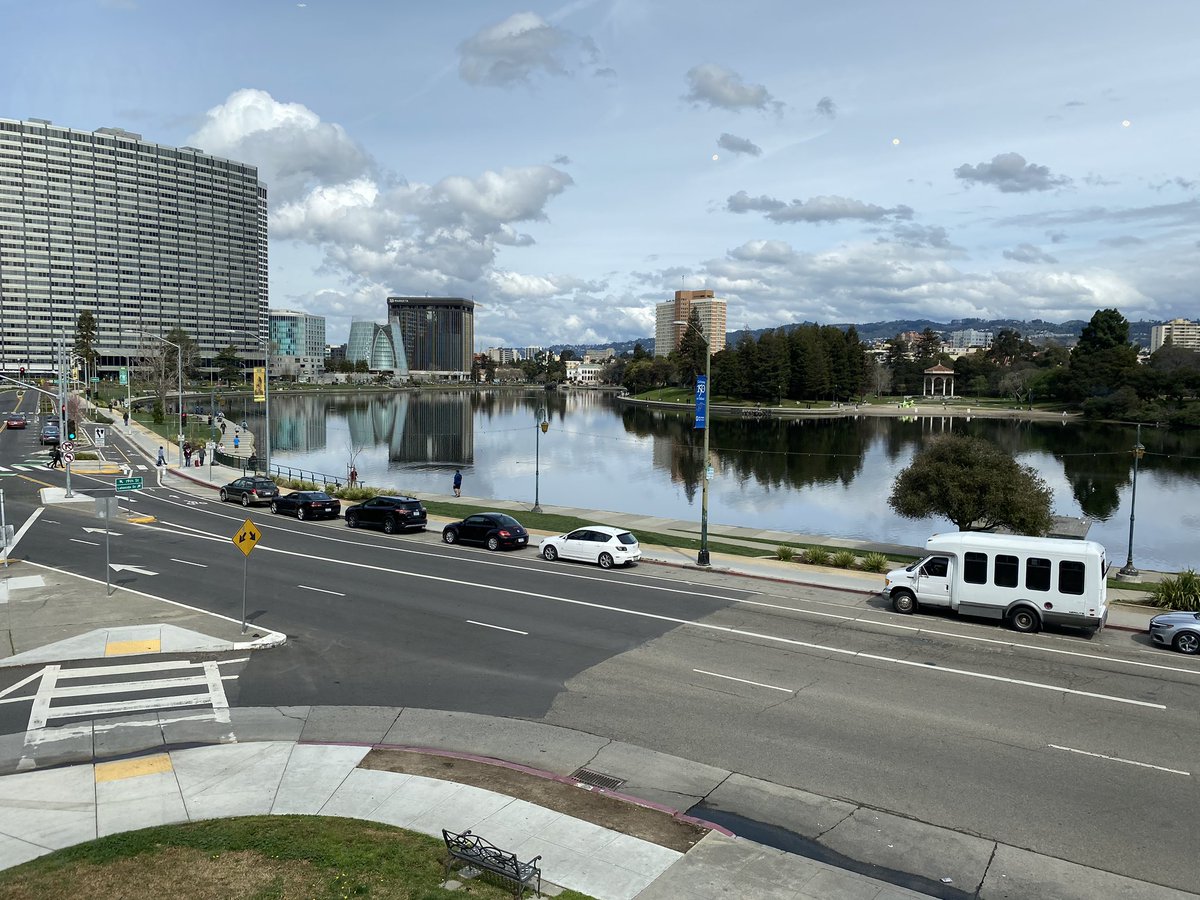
(667, 334)
(1180, 332)
(297, 344)
(438, 333)
(147, 237)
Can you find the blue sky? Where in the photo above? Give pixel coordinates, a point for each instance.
(570, 165)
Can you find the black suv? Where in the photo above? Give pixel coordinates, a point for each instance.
(393, 513)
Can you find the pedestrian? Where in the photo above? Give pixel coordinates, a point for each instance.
(353, 476)
(55, 458)
(222, 426)
(457, 483)
(126, 418)
(252, 462)
(162, 457)
(236, 442)
(187, 453)
(201, 454)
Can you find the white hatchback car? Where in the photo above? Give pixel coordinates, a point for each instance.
(600, 544)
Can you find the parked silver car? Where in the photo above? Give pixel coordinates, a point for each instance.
(1180, 630)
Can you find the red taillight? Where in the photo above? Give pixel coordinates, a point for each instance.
(504, 532)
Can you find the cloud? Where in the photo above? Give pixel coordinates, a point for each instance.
(1186, 212)
(735, 144)
(293, 149)
(1098, 180)
(1072, 103)
(720, 88)
(776, 252)
(1122, 240)
(816, 209)
(1028, 253)
(1178, 181)
(1057, 237)
(562, 160)
(1010, 174)
(511, 52)
(827, 108)
(915, 235)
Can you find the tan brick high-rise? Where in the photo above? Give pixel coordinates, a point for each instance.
(712, 320)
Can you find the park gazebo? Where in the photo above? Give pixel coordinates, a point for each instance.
(937, 379)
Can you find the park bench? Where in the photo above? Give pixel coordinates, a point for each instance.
(478, 852)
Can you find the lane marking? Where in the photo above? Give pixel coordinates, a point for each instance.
(188, 562)
(704, 626)
(1128, 762)
(33, 517)
(320, 590)
(744, 681)
(497, 627)
(81, 541)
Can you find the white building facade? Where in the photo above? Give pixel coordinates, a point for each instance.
(1179, 332)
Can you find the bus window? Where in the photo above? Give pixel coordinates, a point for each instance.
(1070, 577)
(1005, 572)
(1037, 574)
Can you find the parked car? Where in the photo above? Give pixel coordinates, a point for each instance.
(250, 489)
(1180, 630)
(14, 420)
(392, 513)
(492, 529)
(600, 544)
(307, 505)
(50, 434)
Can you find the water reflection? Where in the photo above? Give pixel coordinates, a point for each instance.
(820, 476)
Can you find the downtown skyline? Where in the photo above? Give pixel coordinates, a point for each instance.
(568, 166)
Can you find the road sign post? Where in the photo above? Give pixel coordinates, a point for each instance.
(104, 510)
(129, 484)
(101, 437)
(246, 540)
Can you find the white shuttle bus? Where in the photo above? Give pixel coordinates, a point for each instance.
(1026, 581)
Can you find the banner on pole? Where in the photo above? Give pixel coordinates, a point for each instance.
(260, 384)
(701, 402)
(124, 375)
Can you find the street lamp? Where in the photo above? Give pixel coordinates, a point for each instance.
(179, 367)
(702, 558)
(1128, 569)
(542, 424)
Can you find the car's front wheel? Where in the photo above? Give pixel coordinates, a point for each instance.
(549, 553)
(1188, 642)
(904, 602)
(450, 536)
(605, 560)
(493, 543)
(274, 507)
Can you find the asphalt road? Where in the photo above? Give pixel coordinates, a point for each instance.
(1082, 749)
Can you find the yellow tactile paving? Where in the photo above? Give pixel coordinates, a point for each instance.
(123, 648)
(132, 768)
(142, 520)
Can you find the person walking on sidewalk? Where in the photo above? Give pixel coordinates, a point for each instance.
(187, 454)
(56, 461)
(457, 483)
(201, 454)
(236, 442)
(162, 458)
(126, 418)
(353, 476)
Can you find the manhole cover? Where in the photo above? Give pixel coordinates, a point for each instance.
(595, 779)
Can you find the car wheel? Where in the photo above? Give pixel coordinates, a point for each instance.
(274, 508)
(549, 553)
(493, 543)
(245, 499)
(1024, 620)
(389, 525)
(605, 560)
(300, 513)
(224, 496)
(351, 520)
(450, 536)
(904, 602)
(1187, 642)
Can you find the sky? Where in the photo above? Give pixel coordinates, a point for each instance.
(569, 165)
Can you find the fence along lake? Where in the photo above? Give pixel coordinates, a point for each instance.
(826, 476)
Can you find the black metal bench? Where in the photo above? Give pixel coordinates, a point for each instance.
(476, 851)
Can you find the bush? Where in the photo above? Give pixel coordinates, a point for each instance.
(158, 415)
(875, 562)
(87, 454)
(816, 556)
(100, 418)
(844, 559)
(784, 552)
(1180, 591)
(355, 493)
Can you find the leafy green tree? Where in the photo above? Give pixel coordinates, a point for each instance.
(975, 485)
(639, 352)
(187, 348)
(692, 350)
(228, 364)
(1103, 361)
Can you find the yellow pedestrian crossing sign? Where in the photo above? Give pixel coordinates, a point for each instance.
(247, 537)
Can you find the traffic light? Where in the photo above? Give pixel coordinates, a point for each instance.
(22, 371)
(70, 429)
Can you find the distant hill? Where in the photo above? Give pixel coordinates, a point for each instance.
(1037, 330)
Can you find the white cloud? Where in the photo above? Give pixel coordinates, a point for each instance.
(715, 86)
(1029, 253)
(513, 51)
(816, 209)
(1010, 174)
(735, 144)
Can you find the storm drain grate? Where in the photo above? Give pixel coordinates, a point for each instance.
(595, 779)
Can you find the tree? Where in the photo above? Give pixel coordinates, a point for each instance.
(86, 331)
(639, 352)
(975, 485)
(692, 349)
(228, 364)
(1103, 360)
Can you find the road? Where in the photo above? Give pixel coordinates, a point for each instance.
(1081, 749)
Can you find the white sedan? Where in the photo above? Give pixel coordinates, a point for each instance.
(600, 544)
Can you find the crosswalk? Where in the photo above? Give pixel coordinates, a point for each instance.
(64, 700)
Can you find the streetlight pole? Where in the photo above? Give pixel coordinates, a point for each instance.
(702, 557)
(1128, 569)
(542, 424)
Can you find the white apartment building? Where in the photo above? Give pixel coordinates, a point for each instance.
(1180, 332)
(712, 312)
(145, 236)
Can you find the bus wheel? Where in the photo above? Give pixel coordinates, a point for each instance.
(904, 602)
(1024, 620)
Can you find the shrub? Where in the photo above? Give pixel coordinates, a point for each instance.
(844, 559)
(87, 454)
(158, 415)
(784, 552)
(816, 556)
(100, 418)
(875, 562)
(1180, 591)
(355, 493)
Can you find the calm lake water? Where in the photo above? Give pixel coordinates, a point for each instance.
(828, 476)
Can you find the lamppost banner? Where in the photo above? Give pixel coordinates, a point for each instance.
(701, 402)
(260, 384)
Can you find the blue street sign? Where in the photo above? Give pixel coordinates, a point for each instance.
(701, 402)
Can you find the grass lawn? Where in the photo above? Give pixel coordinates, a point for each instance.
(254, 857)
